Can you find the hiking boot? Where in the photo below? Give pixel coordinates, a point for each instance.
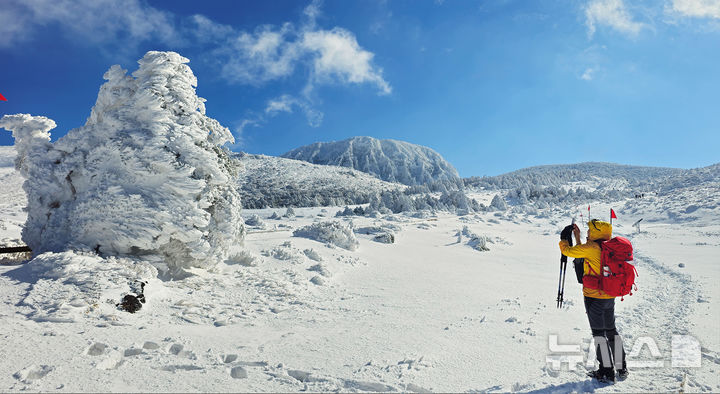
(622, 374)
(603, 375)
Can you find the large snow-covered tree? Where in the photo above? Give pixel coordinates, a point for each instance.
(145, 176)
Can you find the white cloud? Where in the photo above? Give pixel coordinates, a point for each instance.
(611, 13)
(312, 12)
(206, 30)
(95, 21)
(588, 75)
(287, 103)
(696, 8)
(283, 103)
(14, 23)
(271, 53)
(256, 58)
(329, 56)
(337, 56)
(274, 107)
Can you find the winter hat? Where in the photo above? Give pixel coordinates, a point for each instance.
(599, 230)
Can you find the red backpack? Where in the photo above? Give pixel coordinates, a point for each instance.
(618, 276)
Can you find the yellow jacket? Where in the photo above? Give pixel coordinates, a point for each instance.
(589, 251)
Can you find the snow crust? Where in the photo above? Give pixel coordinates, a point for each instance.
(389, 160)
(145, 176)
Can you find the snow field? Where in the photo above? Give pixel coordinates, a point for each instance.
(425, 313)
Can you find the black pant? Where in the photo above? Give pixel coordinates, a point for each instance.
(601, 314)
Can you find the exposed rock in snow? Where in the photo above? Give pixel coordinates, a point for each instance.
(389, 160)
(268, 181)
(145, 176)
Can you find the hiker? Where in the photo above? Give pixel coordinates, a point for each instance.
(599, 306)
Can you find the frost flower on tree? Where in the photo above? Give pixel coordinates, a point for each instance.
(146, 176)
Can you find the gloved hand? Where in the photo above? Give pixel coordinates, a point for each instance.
(566, 232)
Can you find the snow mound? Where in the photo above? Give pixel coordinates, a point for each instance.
(145, 176)
(67, 286)
(389, 160)
(333, 233)
(268, 181)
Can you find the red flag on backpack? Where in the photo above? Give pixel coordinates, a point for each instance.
(612, 214)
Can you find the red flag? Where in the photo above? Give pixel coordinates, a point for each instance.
(612, 214)
(2, 98)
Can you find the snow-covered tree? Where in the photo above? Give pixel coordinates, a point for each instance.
(145, 176)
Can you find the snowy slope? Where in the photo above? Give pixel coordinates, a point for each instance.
(692, 196)
(389, 160)
(676, 195)
(563, 174)
(268, 181)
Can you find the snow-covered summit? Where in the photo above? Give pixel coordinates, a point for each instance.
(389, 160)
(145, 176)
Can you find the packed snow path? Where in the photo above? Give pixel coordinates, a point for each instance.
(428, 312)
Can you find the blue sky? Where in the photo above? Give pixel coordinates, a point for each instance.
(493, 86)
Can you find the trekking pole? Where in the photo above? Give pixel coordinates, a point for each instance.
(563, 271)
(561, 281)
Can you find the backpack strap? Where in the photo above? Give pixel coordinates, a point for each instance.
(592, 271)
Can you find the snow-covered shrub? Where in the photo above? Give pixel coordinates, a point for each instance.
(334, 233)
(320, 269)
(475, 241)
(312, 255)
(478, 243)
(254, 220)
(369, 230)
(385, 238)
(243, 258)
(145, 176)
(459, 202)
(289, 213)
(345, 212)
(317, 280)
(498, 203)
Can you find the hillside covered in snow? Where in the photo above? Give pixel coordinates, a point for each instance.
(605, 175)
(567, 186)
(268, 181)
(389, 160)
